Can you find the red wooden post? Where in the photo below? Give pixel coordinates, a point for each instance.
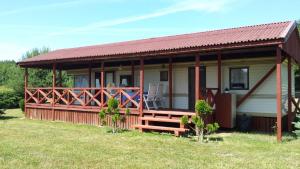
(219, 72)
(25, 88)
(90, 75)
(102, 84)
(141, 85)
(197, 78)
(290, 116)
(53, 87)
(132, 73)
(170, 83)
(90, 84)
(279, 92)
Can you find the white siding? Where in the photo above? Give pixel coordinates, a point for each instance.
(261, 103)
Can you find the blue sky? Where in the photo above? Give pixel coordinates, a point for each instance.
(71, 23)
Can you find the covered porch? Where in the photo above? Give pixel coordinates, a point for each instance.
(81, 103)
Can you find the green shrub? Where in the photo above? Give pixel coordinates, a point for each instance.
(9, 99)
(202, 109)
(114, 111)
(297, 126)
(22, 105)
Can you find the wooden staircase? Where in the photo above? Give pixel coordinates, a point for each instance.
(160, 120)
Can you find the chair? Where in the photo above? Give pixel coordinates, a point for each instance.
(149, 98)
(159, 96)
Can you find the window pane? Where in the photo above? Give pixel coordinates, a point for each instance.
(164, 76)
(239, 78)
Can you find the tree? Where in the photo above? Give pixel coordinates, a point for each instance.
(114, 111)
(202, 109)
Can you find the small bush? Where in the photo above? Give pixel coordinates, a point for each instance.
(22, 105)
(114, 111)
(9, 99)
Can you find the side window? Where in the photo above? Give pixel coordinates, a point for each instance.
(239, 78)
(164, 76)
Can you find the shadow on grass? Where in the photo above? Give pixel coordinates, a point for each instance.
(7, 117)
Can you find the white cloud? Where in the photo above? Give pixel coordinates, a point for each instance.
(178, 6)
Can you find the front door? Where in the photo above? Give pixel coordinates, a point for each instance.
(192, 84)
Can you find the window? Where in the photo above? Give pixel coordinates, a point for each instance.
(239, 78)
(163, 76)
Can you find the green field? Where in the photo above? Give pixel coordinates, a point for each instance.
(40, 144)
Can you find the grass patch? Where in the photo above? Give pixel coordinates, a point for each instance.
(28, 143)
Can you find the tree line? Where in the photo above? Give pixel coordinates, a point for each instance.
(12, 79)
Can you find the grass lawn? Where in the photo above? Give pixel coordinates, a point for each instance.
(40, 144)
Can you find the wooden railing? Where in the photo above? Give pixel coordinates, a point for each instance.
(296, 105)
(83, 97)
(90, 98)
(210, 95)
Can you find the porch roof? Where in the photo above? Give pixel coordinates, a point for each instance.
(241, 37)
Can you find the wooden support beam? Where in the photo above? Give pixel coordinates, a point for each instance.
(25, 87)
(170, 83)
(279, 92)
(132, 73)
(53, 87)
(102, 84)
(53, 75)
(197, 78)
(219, 72)
(256, 86)
(90, 75)
(246, 96)
(290, 115)
(141, 85)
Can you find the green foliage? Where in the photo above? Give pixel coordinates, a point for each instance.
(127, 112)
(297, 126)
(102, 115)
(12, 75)
(184, 120)
(114, 112)
(22, 105)
(202, 109)
(9, 99)
(211, 128)
(113, 103)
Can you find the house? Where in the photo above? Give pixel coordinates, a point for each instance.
(246, 70)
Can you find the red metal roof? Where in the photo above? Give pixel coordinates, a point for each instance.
(264, 32)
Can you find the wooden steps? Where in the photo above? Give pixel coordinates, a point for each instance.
(162, 128)
(162, 120)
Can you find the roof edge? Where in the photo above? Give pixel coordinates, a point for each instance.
(288, 30)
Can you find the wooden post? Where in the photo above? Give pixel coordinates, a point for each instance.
(279, 92)
(197, 78)
(60, 77)
(219, 73)
(132, 73)
(102, 83)
(53, 87)
(25, 88)
(141, 85)
(170, 83)
(290, 116)
(90, 75)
